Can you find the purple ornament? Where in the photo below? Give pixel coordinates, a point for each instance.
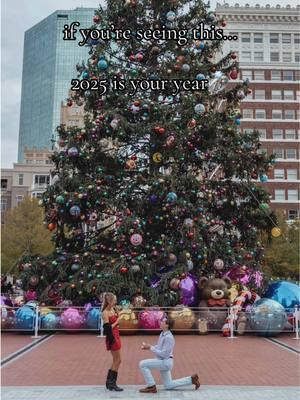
(87, 307)
(153, 198)
(73, 152)
(30, 295)
(188, 287)
(150, 319)
(6, 301)
(71, 319)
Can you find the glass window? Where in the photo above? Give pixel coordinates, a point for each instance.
(278, 153)
(274, 38)
(289, 114)
(279, 194)
(274, 56)
(291, 174)
(276, 94)
(260, 94)
(290, 134)
(246, 55)
(260, 114)
(247, 113)
(20, 179)
(293, 194)
(246, 37)
(37, 195)
(286, 57)
(262, 133)
(276, 75)
(288, 75)
(297, 57)
(286, 38)
(258, 37)
(297, 38)
(19, 199)
(290, 154)
(278, 173)
(258, 56)
(3, 204)
(297, 75)
(293, 214)
(277, 114)
(247, 74)
(3, 184)
(277, 134)
(41, 180)
(288, 95)
(259, 75)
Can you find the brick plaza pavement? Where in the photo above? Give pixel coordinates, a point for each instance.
(74, 366)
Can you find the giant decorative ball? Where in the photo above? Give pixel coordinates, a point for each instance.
(49, 321)
(128, 322)
(25, 317)
(71, 319)
(188, 288)
(7, 317)
(93, 318)
(150, 319)
(75, 211)
(184, 319)
(284, 292)
(267, 317)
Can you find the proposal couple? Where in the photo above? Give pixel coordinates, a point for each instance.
(163, 351)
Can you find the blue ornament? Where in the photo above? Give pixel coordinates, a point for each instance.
(153, 198)
(75, 211)
(85, 75)
(49, 321)
(285, 293)
(263, 178)
(171, 16)
(201, 46)
(267, 317)
(238, 121)
(185, 67)
(93, 318)
(171, 197)
(75, 267)
(199, 108)
(125, 303)
(200, 77)
(102, 64)
(218, 74)
(73, 152)
(25, 318)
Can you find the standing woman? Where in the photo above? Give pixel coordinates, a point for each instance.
(110, 317)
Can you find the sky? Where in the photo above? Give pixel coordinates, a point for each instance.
(22, 15)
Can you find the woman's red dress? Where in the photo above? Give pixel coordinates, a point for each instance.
(117, 344)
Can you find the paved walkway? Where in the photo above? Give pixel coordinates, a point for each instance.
(131, 393)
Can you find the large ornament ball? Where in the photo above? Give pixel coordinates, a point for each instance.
(171, 16)
(188, 287)
(276, 232)
(73, 152)
(7, 317)
(174, 284)
(25, 317)
(150, 319)
(71, 319)
(60, 199)
(200, 77)
(93, 318)
(199, 108)
(218, 264)
(49, 321)
(263, 178)
(75, 211)
(285, 293)
(136, 239)
(171, 197)
(102, 64)
(139, 301)
(184, 319)
(267, 317)
(128, 322)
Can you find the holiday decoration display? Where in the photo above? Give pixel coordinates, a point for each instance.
(71, 318)
(188, 288)
(285, 293)
(7, 317)
(93, 318)
(268, 317)
(25, 318)
(128, 322)
(50, 321)
(184, 319)
(150, 319)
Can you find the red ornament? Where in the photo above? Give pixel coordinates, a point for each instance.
(161, 131)
(69, 103)
(134, 157)
(51, 227)
(180, 59)
(132, 57)
(223, 23)
(192, 123)
(139, 57)
(233, 56)
(177, 67)
(233, 74)
(96, 19)
(190, 235)
(123, 270)
(157, 129)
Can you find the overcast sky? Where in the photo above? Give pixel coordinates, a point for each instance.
(21, 15)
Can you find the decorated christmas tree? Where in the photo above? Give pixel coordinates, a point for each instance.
(159, 188)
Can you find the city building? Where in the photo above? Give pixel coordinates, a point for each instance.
(49, 65)
(72, 115)
(29, 178)
(268, 50)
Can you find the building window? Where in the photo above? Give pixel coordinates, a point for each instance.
(291, 174)
(278, 173)
(3, 185)
(21, 179)
(258, 37)
(276, 75)
(276, 114)
(293, 214)
(297, 38)
(297, 75)
(247, 113)
(41, 180)
(247, 74)
(262, 133)
(290, 134)
(280, 194)
(286, 38)
(286, 57)
(278, 153)
(246, 37)
(289, 114)
(290, 154)
(246, 55)
(277, 134)
(288, 76)
(260, 94)
(276, 94)
(288, 95)
(293, 194)
(259, 75)
(260, 114)
(3, 204)
(274, 38)
(37, 195)
(258, 56)
(274, 56)
(297, 57)
(19, 199)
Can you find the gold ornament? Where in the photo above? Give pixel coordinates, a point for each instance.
(45, 311)
(139, 301)
(157, 157)
(128, 322)
(276, 232)
(184, 319)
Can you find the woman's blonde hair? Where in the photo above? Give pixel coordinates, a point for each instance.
(107, 298)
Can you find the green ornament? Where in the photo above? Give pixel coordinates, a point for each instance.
(60, 199)
(264, 207)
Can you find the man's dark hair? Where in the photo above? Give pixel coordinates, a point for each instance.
(169, 322)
